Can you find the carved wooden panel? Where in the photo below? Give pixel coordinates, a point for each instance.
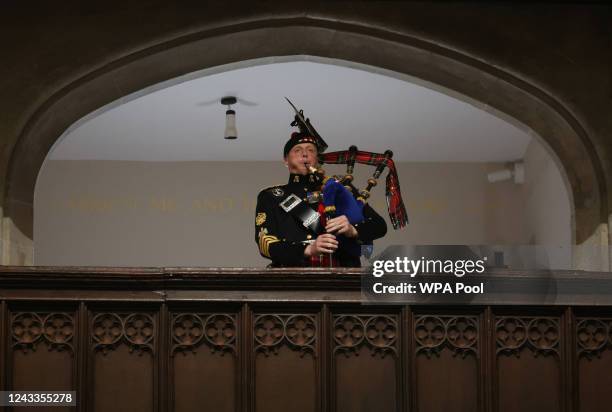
(4, 332)
(43, 352)
(541, 335)
(285, 350)
(277, 355)
(123, 348)
(366, 358)
(378, 333)
(433, 333)
(446, 354)
(297, 331)
(29, 329)
(594, 346)
(217, 331)
(594, 336)
(527, 347)
(204, 362)
(136, 330)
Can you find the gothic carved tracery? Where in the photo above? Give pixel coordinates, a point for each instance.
(377, 332)
(540, 335)
(297, 331)
(136, 330)
(29, 329)
(593, 336)
(458, 333)
(217, 331)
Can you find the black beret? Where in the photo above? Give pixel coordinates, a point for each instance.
(297, 138)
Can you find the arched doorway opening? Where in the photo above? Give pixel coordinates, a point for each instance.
(466, 75)
(155, 163)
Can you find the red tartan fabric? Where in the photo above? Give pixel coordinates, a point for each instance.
(395, 204)
(322, 261)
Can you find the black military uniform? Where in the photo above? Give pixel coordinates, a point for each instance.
(282, 238)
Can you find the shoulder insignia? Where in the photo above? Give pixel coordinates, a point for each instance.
(260, 219)
(269, 189)
(277, 191)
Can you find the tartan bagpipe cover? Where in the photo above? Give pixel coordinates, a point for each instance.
(395, 204)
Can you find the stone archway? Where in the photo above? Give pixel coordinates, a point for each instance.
(464, 74)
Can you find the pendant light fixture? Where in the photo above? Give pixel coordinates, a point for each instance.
(230, 118)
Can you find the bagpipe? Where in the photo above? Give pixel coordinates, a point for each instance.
(339, 195)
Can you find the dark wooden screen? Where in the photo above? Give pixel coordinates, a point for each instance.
(249, 340)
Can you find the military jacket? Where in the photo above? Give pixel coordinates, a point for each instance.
(282, 238)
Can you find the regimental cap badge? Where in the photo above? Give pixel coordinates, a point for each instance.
(260, 219)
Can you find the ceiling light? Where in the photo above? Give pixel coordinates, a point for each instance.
(230, 118)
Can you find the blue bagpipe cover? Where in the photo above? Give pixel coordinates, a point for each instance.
(335, 194)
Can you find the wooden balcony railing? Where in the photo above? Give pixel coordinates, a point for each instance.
(190, 339)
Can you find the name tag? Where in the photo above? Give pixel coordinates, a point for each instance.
(291, 202)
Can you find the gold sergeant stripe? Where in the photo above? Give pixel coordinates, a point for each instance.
(264, 243)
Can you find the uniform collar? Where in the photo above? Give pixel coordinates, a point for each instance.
(302, 180)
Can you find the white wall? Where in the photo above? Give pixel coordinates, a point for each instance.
(121, 213)
(547, 207)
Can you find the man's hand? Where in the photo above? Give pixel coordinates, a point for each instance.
(340, 226)
(325, 243)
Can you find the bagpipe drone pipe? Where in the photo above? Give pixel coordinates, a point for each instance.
(341, 197)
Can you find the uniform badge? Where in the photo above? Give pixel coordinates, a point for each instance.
(278, 192)
(260, 219)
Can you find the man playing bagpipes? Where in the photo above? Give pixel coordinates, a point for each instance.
(318, 221)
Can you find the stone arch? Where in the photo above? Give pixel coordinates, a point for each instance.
(466, 75)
